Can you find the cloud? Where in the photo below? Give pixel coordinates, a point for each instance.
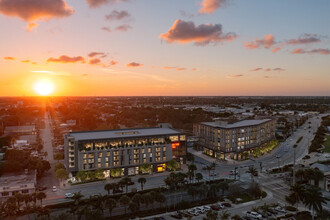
(117, 15)
(256, 69)
(94, 61)
(314, 51)
(98, 3)
(35, 10)
(268, 69)
(67, 59)
(194, 69)
(275, 49)
(51, 73)
(107, 29)
(85, 74)
(97, 54)
(186, 32)
(210, 6)
(304, 39)
(175, 67)
(186, 14)
(134, 64)
(25, 61)
(234, 76)
(267, 41)
(267, 77)
(278, 69)
(123, 27)
(9, 58)
(113, 62)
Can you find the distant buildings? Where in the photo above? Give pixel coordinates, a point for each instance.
(24, 182)
(325, 169)
(19, 130)
(126, 149)
(222, 140)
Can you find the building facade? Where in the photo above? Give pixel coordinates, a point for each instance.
(125, 149)
(24, 182)
(229, 140)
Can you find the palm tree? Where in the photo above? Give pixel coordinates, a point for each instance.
(160, 198)
(124, 200)
(125, 181)
(142, 181)
(108, 187)
(202, 191)
(211, 215)
(41, 196)
(297, 194)
(309, 174)
(199, 177)
(111, 204)
(223, 186)
(317, 176)
(192, 191)
(133, 207)
(210, 167)
(137, 199)
(191, 171)
(313, 199)
(300, 174)
(252, 171)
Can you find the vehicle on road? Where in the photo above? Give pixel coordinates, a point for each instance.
(254, 215)
(177, 216)
(42, 188)
(226, 204)
(215, 207)
(232, 172)
(69, 195)
(54, 189)
(280, 209)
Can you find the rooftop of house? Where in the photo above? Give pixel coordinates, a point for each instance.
(244, 123)
(123, 133)
(14, 180)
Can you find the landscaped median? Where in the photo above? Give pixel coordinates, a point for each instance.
(259, 151)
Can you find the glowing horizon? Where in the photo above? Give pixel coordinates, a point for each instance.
(91, 48)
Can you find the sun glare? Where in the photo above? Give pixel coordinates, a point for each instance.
(44, 87)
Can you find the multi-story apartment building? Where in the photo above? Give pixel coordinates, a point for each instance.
(229, 140)
(126, 149)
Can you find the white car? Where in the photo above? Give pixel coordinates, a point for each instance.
(200, 210)
(69, 195)
(220, 205)
(254, 215)
(193, 212)
(207, 208)
(280, 209)
(54, 189)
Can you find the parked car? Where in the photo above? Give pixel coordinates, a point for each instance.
(280, 209)
(254, 215)
(193, 212)
(207, 208)
(215, 207)
(177, 216)
(200, 210)
(69, 195)
(226, 204)
(42, 188)
(232, 172)
(54, 189)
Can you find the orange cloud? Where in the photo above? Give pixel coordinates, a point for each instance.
(267, 41)
(256, 69)
(67, 59)
(185, 32)
(113, 62)
(314, 51)
(134, 64)
(25, 61)
(210, 6)
(9, 58)
(98, 3)
(305, 39)
(123, 27)
(35, 10)
(275, 49)
(94, 61)
(174, 67)
(268, 69)
(235, 76)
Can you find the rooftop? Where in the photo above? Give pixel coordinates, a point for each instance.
(123, 133)
(244, 123)
(14, 180)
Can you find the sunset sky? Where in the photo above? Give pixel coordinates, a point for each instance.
(165, 47)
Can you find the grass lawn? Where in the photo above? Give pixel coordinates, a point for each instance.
(327, 144)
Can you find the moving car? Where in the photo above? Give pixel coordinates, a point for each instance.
(69, 195)
(54, 189)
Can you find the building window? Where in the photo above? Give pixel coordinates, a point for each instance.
(5, 194)
(116, 153)
(99, 165)
(144, 160)
(164, 148)
(164, 158)
(107, 159)
(182, 137)
(115, 163)
(157, 149)
(85, 156)
(91, 155)
(143, 150)
(85, 161)
(149, 149)
(108, 154)
(99, 160)
(25, 191)
(100, 154)
(174, 138)
(106, 164)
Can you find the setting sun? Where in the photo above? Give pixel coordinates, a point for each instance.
(44, 87)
